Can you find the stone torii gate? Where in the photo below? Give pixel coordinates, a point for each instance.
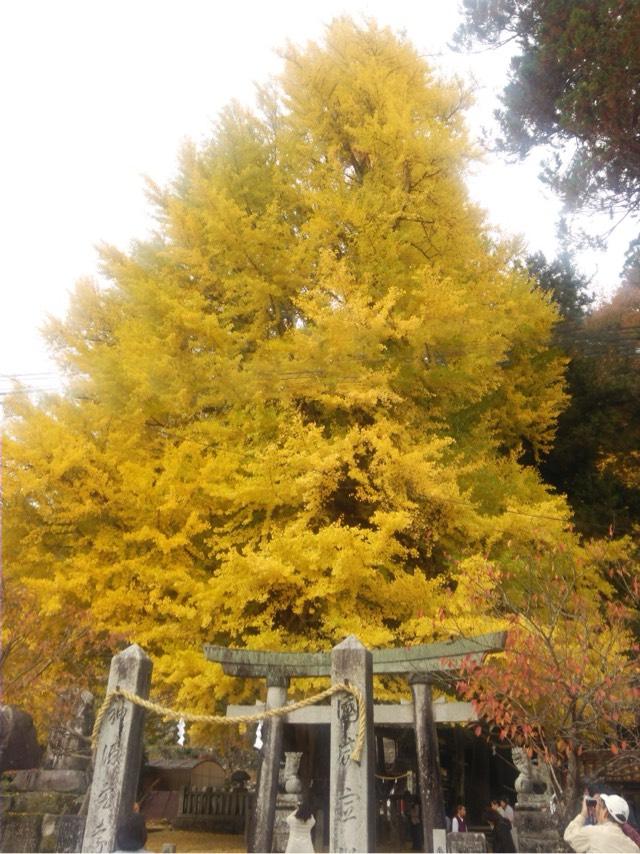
(421, 665)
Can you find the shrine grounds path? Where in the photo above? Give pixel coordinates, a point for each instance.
(199, 842)
(195, 841)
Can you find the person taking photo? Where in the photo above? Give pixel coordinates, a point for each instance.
(607, 835)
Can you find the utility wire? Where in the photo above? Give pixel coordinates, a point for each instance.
(457, 501)
(168, 433)
(623, 342)
(32, 374)
(625, 336)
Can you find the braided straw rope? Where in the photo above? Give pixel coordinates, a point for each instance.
(171, 714)
(393, 776)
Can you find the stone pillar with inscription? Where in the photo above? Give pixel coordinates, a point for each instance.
(352, 802)
(431, 800)
(119, 751)
(263, 820)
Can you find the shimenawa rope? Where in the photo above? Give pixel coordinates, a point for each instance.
(393, 776)
(171, 714)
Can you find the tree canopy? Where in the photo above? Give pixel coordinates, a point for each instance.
(575, 82)
(595, 456)
(569, 677)
(566, 285)
(301, 404)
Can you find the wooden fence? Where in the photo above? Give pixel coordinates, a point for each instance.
(212, 809)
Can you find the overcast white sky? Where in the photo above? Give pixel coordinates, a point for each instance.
(97, 93)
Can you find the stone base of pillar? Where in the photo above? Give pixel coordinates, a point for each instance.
(535, 829)
(465, 842)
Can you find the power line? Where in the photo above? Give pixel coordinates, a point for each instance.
(624, 341)
(37, 390)
(169, 433)
(625, 335)
(31, 374)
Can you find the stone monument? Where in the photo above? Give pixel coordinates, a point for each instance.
(19, 746)
(69, 746)
(287, 799)
(292, 784)
(118, 752)
(534, 823)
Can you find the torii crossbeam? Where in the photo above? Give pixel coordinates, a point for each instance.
(422, 658)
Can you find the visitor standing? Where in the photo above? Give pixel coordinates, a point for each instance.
(300, 822)
(506, 809)
(495, 805)
(415, 827)
(501, 838)
(612, 812)
(132, 833)
(458, 822)
(629, 830)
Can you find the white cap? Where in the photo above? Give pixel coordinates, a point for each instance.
(617, 807)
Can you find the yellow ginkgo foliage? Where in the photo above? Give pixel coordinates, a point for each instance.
(297, 407)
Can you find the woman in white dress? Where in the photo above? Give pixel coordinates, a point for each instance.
(300, 824)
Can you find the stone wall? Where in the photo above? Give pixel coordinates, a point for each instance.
(40, 807)
(37, 821)
(24, 832)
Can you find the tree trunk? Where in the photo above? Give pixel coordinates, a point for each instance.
(573, 789)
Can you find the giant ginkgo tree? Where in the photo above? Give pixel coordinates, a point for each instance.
(303, 400)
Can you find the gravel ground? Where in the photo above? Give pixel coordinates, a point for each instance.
(196, 841)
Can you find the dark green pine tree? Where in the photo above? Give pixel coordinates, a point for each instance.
(596, 447)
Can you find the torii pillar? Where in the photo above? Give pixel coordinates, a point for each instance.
(264, 815)
(431, 800)
(352, 803)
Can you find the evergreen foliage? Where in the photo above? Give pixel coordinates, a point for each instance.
(575, 82)
(596, 454)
